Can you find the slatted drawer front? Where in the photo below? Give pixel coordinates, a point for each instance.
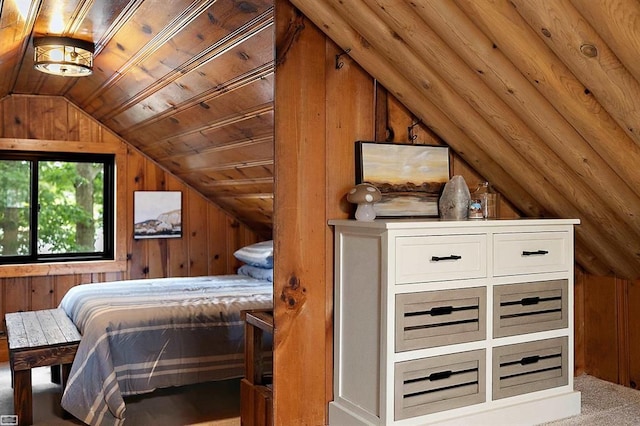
(428, 385)
(436, 318)
(529, 367)
(526, 253)
(529, 307)
(438, 258)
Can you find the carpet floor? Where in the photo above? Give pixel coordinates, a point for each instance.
(211, 404)
(604, 404)
(218, 404)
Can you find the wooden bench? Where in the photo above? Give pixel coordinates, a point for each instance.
(38, 339)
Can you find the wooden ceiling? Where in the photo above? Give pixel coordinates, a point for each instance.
(541, 98)
(188, 82)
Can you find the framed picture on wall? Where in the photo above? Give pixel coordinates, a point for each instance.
(410, 177)
(157, 214)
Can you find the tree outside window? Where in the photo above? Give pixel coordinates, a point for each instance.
(55, 207)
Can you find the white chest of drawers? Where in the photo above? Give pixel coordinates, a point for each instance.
(453, 322)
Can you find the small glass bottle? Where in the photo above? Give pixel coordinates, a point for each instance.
(478, 201)
(490, 205)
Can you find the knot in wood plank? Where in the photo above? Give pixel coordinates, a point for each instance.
(589, 50)
(293, 294)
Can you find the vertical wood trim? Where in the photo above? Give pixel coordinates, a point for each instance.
(383, 132)
(601, 328)
(76, 125)
(16, 113)
(198, 233)
(17, 294)
(137, 249)
(300, 222)
(579, 322)
(157, 256)
(42, 296)
(347, 121)
(217, 240)
(62, 284)
(633, 319)
(122, 205)
(622, 298)
(232, 232)
(178, 248)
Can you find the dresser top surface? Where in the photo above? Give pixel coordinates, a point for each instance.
(426, 223)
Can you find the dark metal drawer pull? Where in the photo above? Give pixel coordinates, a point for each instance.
(440, 375)
(441, 310)
(527, 301)
(530, 359)
(452, 257)
(533, 253)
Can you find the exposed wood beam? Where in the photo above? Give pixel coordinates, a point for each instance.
(176, 159)
(256, 196)
(589, 58)
(78, 16)
(327, 18)
(237, 182)
(616, 22)
(548, 155)
(223, 122)
(261, 23)
(169, 31)
(481, 55)
(15, 33)
(208, 96)
(484, 136)
(500, 21)
(127, 13)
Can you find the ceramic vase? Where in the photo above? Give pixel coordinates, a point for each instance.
(454, 201)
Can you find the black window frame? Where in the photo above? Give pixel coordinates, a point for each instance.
(108, 252)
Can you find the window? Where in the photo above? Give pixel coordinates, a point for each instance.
(56, 207)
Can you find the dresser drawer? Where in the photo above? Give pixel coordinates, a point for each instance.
(528, 253)
(436, 318)
(529, 367)
(428, 385)
(530, 307)
(439, 258)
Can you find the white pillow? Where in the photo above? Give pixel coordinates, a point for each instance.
(258, 254)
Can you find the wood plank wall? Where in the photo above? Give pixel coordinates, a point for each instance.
(210, 236)
(611, 328)
(325, 102)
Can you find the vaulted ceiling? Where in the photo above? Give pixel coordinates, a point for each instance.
(541, 98)
(188, 82)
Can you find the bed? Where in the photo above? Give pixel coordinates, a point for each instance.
(140, 335)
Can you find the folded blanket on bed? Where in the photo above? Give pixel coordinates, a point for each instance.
(140, 335)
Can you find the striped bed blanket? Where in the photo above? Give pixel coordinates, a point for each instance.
(140, 335)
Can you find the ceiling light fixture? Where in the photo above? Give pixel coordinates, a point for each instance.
(64, 56)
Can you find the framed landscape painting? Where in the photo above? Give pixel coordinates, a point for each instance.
(410, 177)
(157, 214)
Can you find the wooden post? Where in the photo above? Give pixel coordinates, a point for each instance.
(300, 222)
